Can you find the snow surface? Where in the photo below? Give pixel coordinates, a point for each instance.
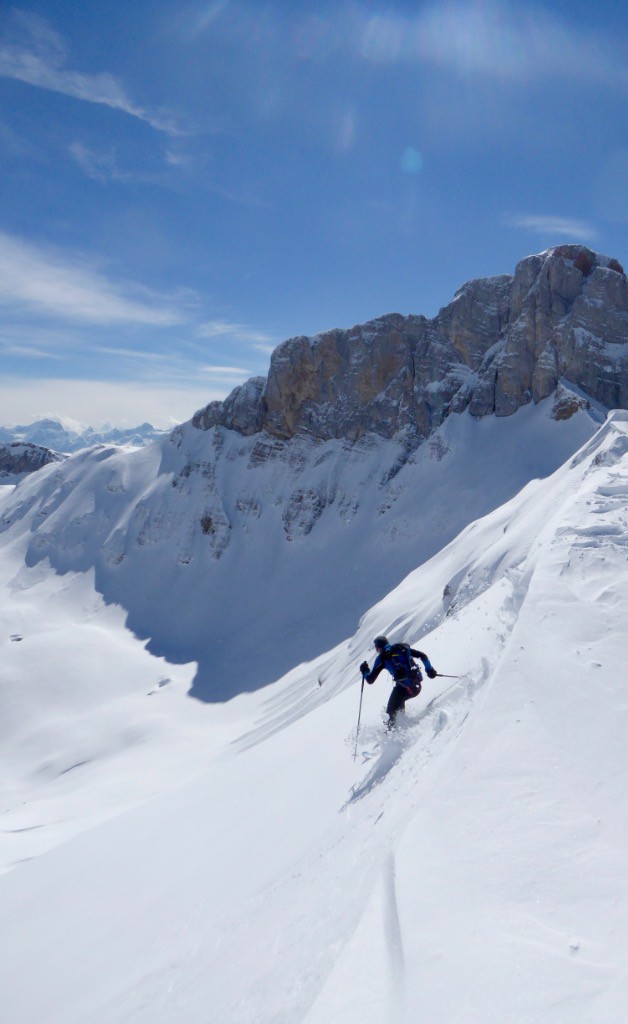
(471, 869)
(206, 530)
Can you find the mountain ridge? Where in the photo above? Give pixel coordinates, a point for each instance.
(502, 342)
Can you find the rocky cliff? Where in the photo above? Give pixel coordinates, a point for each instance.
(503, 342)
(17, 460)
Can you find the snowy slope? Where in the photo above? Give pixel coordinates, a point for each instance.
(205, 531)
(83, 707)
(473, 870)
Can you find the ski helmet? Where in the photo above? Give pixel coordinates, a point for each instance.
(380, 642)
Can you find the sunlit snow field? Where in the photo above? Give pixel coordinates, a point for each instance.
(168, 861)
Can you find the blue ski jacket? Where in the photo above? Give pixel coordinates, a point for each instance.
(399, 673)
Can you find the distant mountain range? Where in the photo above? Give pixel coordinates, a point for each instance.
(53, 434)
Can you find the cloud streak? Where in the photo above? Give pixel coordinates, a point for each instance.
(227, 371)
(234, 331)
(493, 39)
(35, 54)
(548, 225)
(101, 167)
(35, 280)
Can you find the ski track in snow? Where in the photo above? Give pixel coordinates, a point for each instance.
(394, 943)
(372, 820)
(418, 731)
(326, 894)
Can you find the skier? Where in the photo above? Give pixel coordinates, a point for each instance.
(397, 659)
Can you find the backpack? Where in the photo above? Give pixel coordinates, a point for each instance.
(404, 670)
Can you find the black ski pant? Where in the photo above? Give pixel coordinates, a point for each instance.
(397, 701)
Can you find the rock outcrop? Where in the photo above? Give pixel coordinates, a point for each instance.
(502, 342)
(18, 459)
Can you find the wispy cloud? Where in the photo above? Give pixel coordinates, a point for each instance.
(28, 352)
(100, 167)
(557, 227)
(105, 167)
(495, 39)
(169, 365)
(137, 354)
(228, 371)
(267, 350)
(234, 331)
(204, 18)
(178, 159)
(31, 51)
(35, 279)
(23, 339)
(125, 367)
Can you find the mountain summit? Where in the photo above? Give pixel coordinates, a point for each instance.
(501, 343)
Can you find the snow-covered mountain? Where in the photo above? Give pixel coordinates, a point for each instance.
(228, 550)
(68, 436)
(25, 449)
(360, 456)
(18, 459)
(472, 869)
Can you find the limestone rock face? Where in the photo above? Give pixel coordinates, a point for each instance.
(501, 343)
(570, 323)
(344, 383)
(240, 411)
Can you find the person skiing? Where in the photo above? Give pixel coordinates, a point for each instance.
(397, 659)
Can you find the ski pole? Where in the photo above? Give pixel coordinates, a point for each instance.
(443, 675)
(355, 752)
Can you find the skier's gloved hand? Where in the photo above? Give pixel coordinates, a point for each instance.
(432, 673)
(364, 667)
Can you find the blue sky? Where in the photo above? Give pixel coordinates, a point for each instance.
(185, 185)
